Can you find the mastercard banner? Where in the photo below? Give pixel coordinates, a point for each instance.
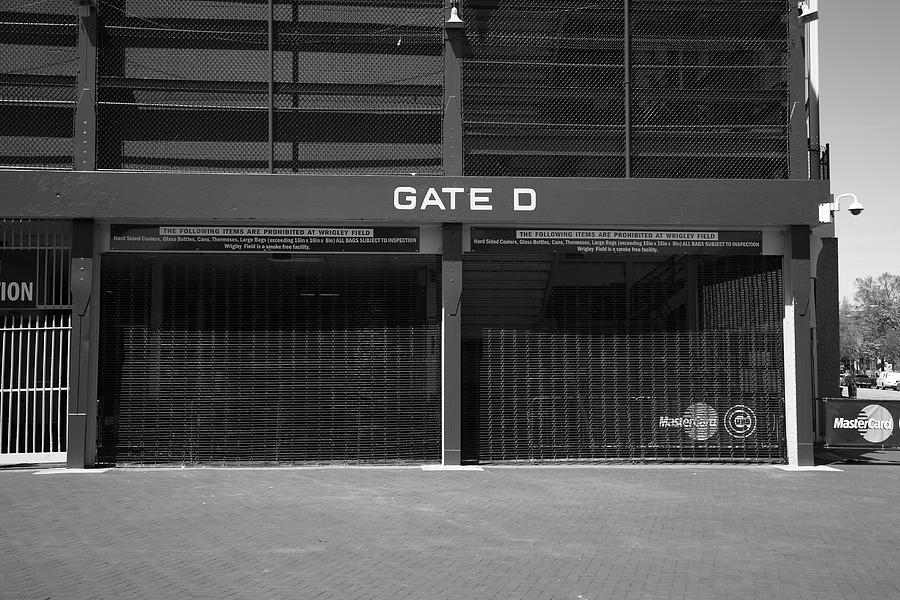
(862, 423)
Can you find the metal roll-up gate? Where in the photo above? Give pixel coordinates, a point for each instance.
(250, 359)
(572, 358)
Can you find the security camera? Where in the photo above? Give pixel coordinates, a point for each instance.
(855, 207)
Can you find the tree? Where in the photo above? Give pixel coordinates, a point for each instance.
(878, 317)
(850, 336)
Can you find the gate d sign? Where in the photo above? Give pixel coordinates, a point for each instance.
(18, 273)
(447, 199)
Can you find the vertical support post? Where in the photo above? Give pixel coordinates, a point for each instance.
(798, 142)
(627, 66)
(798, 376)
(271, 86)
(812, 61)
(693, 296)
(451, 344)
(157, 294)
(86, 110)
(452, 124)
(82, 410)
(295, 78)
(828, 359)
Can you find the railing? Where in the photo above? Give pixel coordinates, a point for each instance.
(51, 242)
(608, 88)
(34, 346)
(34, 387)
(825, 163)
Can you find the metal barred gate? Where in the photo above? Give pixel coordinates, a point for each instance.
(247, 359)
(34, 387)
(573, 359)
(35, 329)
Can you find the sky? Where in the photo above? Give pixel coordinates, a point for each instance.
(859, 71)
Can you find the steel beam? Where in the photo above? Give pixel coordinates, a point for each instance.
(155, 197)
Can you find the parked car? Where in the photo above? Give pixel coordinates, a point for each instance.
(888, 379)
(862, 380)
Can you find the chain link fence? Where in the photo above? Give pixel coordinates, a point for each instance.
(359, 87)
(544, 88)
(38, 43)
(543, 91)
(576, 88)
(182, 86)
(710, 89)
(356, 88)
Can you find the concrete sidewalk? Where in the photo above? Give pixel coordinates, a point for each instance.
(578, 533)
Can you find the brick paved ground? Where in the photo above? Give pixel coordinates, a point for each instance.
(573, 533)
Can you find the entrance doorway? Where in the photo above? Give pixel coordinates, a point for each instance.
(252, 359)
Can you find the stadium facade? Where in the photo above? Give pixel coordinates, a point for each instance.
(290, 232)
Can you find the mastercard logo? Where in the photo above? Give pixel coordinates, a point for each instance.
(874, 423)
(700, 421)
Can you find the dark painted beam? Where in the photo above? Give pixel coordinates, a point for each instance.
(279, 198)
(235, 34)
(251, 87)
(206, 124)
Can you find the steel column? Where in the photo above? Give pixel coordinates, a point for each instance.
(827, 298)
(796, 119)
(451, 343)
(295, 97)
(627, 66)
(86, 109)
(798, 381)
(271, 38)
(812, 62)
(452, 124)
(84, 343)
(693, 296)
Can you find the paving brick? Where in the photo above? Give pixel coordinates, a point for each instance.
(640, 533)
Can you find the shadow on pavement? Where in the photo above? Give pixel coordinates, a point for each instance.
(857, 456)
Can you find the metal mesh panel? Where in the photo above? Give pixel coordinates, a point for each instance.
(710, 88)
(182, 86)
(679, 359)
(242, 359)
(543, 88)
(38, 42)
(359, 87)
(730, 300)
(52, 241)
